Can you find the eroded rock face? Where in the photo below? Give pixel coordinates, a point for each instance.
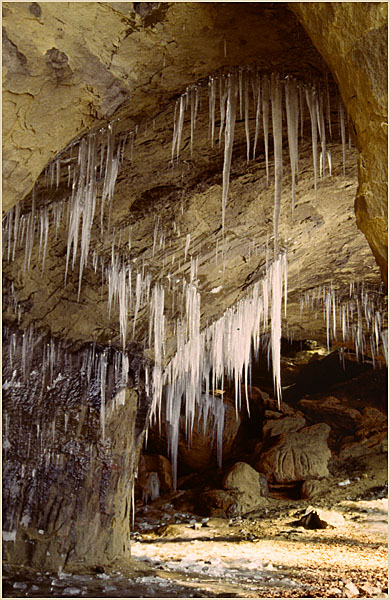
(297, 456)
(66, 486)
(144, 55)
(279, 426)
(346, 35)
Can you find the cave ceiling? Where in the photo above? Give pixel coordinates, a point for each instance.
(118, 70)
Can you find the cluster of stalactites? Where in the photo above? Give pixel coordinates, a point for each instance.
(89, 168)
(246, 94)
(357, 322)
(206, 359)
(90, 165)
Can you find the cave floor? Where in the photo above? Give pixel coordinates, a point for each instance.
(264, 554)
(269, 556)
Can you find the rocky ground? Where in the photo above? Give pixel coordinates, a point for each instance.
(269, 553)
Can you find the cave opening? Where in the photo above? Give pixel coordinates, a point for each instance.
(194, 327)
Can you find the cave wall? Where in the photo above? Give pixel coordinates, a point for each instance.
(67, 484)
(352, 37)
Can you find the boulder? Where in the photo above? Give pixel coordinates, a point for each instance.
(272, 414)
(312, 488)
(374, 444)
(245, 479)
(373, 421)
(236, 500)
(332, 411)
(316, 518)
(297, 456)
(246, 502)
(283, 408)
(285, 425)
(217, 503)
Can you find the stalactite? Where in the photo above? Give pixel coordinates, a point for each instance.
(292, 111)
(342, 130)
(246, 114)
(229, 139)
(312, 100)
(276, 101)
(212, 102)
(344, 317)
(265, 95)
(258, 113)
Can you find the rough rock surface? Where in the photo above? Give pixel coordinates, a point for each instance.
(55, 66)
(312, 488)
(355, 429)
(52, 60)
(330, 410)
(217, 503)
(346, 34)
(297, 456)
(372, 444)
(243, 478)
(285, 425)
(316, 518)
(231, 503)
(67, 489)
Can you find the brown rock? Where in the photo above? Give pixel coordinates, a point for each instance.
(316, 518)
(371, 445)
(272, 414)
(345, 33)
(285, 425)
(155, 463)
(285, 409)
(243, 478)
(374, 421)
(222, 503)
(297, 456)
(217, 503)
(313, 488)
(202, 452)
(332, 411)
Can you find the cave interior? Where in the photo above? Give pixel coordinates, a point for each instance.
(194, 263)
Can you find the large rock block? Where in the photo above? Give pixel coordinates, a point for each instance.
(286, 425)
(229, 503)
(376, 443)
(297, 456)
(244, 478)
(333, 412)
(317, 518)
